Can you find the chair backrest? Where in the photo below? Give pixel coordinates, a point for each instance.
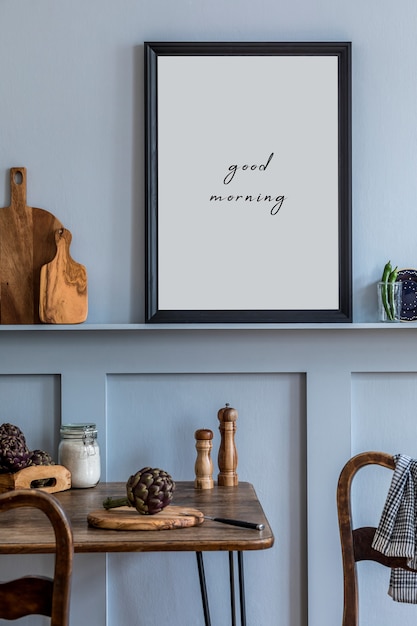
(39, 595)
(356, 543)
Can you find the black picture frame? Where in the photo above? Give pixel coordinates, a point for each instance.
(248, 182)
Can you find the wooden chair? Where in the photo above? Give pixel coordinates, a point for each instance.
(39, 595)
(356, 543)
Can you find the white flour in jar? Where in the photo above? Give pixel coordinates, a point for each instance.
(80, 454)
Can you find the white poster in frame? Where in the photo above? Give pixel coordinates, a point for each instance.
(248, 182)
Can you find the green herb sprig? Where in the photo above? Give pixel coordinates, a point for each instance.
(389, 277)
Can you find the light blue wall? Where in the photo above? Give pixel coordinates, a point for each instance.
(72, 113)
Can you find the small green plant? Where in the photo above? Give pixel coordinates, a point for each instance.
(389, 277)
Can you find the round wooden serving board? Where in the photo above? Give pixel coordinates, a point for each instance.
(127, 518)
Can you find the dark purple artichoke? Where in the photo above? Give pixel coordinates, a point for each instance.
(149, 490)
(10, 430)
(14, 454)
(39, 457)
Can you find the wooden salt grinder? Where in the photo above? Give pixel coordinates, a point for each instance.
(227, 458)
(203, 464)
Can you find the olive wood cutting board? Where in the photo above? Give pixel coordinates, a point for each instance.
(127, 518)
(63, 286)
(27, 241)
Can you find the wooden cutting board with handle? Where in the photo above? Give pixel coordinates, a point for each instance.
(63, 286)
(27, 241)
(127, 518)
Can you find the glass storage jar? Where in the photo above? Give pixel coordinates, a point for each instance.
(79, 452)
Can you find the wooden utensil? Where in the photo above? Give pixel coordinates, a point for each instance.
(58, 477)
(127, 518)
(27, 241)
(63, 286)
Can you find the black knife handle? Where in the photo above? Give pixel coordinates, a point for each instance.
(235, 522)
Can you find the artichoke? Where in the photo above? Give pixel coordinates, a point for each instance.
(10, 430)
(40, 457)
(14, 453)
(149, 490)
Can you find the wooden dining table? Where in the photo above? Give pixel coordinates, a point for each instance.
(30, 533)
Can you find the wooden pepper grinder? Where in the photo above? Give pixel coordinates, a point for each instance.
(227, 458)
(203, 464)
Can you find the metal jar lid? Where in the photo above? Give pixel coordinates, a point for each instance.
(78, 431)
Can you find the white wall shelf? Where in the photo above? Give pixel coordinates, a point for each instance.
(196, 327)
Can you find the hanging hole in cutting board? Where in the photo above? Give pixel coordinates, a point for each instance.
(43, 482)
(18, 178)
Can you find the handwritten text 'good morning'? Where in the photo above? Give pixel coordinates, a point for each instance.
(277, 200)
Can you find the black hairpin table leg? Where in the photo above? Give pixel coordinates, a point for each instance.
(203, 588)
(241, 588)
(232, 588)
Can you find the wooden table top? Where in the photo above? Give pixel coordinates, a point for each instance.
(24, 532)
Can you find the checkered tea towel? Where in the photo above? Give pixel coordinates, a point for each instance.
(396, 534)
